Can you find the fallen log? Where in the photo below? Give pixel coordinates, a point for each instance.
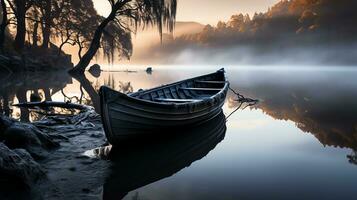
(46, 104)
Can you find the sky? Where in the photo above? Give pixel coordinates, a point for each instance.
(206, 11)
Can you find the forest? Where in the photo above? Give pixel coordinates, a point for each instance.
(291, 25)
(30, 28)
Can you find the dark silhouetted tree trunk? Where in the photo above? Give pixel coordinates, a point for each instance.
(21, 96)
(87, 57)
(5, 109)
(3, 25)
(93, 94)
(35, 35)
(46, 33)
(21, 24)
(46, 36)
(47, 92)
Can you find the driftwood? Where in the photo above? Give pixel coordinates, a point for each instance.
(87, 119)
(46, 104)
(242, 100)
(352, 158)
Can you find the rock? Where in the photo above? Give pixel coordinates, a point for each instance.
(73, 169)
(5, 123)
(18, 137)
(25, 136)
(95, 70)
(18, 169)
(16, 60)
(86, 190)
(4, 60)
(30, 138)
(96, 135)
(149, 70)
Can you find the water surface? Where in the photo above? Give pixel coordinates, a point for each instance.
(299, 142)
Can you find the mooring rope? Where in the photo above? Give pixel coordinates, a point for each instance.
(241, 100)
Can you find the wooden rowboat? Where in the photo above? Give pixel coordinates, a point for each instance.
(181, 104)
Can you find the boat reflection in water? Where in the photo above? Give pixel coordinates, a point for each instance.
(149, 160)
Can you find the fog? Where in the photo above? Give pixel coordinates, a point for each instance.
(295, 32)
(248, 55)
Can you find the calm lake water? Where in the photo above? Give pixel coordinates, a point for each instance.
(299, 142)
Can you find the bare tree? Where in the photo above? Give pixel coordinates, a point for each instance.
(19, 8)
(126, 14)
(3, 25)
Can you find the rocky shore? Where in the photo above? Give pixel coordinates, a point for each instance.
(20, 145)
(36, 159)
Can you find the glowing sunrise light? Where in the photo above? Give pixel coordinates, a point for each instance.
(205, 12)
(102, 7)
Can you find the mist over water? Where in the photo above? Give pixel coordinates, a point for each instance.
(249, 56)
(293, 32)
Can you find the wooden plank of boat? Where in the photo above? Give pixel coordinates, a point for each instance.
(177, 100)
(149, 111)
(201, 89)
(217, 82)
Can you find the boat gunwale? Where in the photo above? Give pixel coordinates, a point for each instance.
(178, 82)
(168, 105)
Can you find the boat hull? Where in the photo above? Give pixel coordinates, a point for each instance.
(127, 116)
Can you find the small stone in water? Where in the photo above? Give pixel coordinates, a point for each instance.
(86, 190)
(72, 169)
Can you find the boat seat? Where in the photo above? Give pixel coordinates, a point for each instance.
(216, 82)
(202, 89)
(177, 100)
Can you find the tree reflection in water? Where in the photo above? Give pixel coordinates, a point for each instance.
(29, 87)
(124, 87)
(329, 115)
(92, 89)
(33, 87)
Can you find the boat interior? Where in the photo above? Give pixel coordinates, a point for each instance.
(186, 91)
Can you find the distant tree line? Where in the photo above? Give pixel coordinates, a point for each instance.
(37, 23)
(287, 23)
